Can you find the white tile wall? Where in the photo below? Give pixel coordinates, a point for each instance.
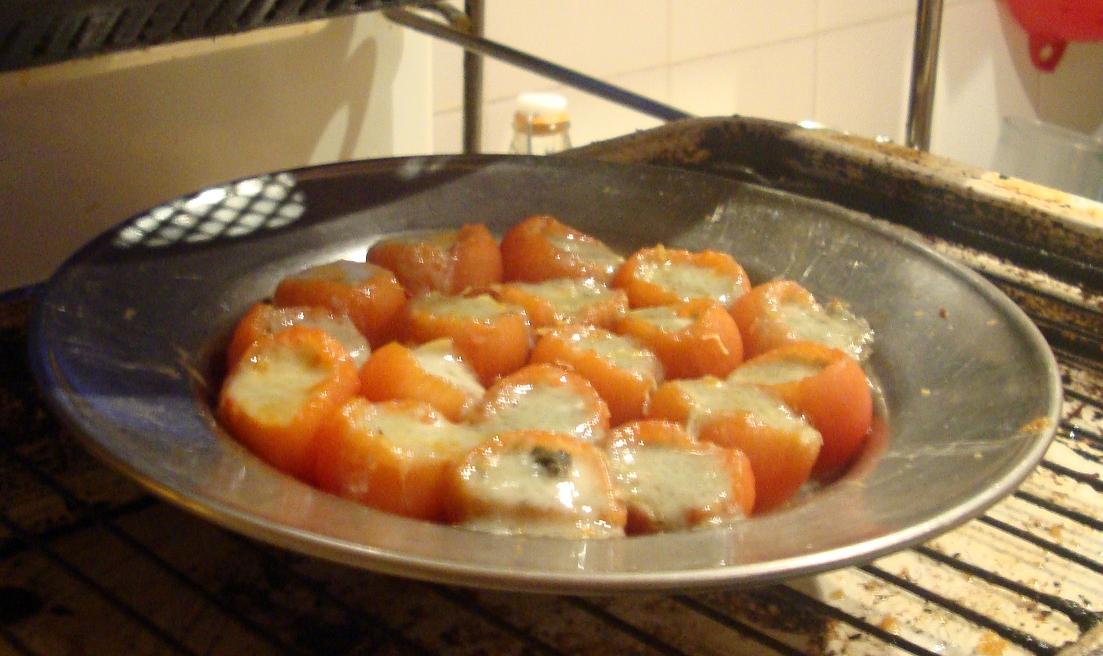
(773, 80)
(844, 63)
(706, 27)
(862, 76)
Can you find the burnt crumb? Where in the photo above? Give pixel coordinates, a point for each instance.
(855, 636)
(552, 463)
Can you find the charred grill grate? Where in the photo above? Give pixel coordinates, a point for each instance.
(34, 33)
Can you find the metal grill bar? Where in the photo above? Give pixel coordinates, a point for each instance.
(73, 571)
(627, 628)
(824, 608)
(1085, 400)
(1083, 618)
(1048, 545)
(1080, 477)
(747, 630)
(1014, 635)
(320, 590)
(468, 603)
(88, 517)
(1060, 510)
(15, 546)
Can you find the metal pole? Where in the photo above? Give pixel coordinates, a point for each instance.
(928, 27)
(473, 81)
(536, 65)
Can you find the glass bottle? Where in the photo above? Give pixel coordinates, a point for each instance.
(541, 124)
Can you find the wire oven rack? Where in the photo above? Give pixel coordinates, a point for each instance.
(89, 563)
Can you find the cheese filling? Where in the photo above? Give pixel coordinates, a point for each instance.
(710, 397)
(773, 373)
(621, 352)
(588, 250)
(537, 482)
(690, 281)
(482, 308)
(834, 326)
(543, 407)
(438, 358)
(412, 435)
(344, 271)
(663, 317)
(339, 328)
(568, 298)
(274, 387)
(668, 485)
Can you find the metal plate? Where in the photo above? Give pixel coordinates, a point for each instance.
(128, 334)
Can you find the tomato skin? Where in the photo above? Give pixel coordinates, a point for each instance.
(710, 346)
(503, 395)
(378, 470)
(493, 347)
(369, 295)
(264, 319)
(595, 517)
(542, 313)
(392, 373)
(447, 262)
(646, 293)
(662, 434)
(289, 444)
(752, 314)
(627, 393)
(836, 400)
(782, 461)
(529, 255)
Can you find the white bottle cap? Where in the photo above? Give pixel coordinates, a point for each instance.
(542, 111)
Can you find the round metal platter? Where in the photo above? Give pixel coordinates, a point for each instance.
(128, 335)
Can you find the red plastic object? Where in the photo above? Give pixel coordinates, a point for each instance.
(1051, 24)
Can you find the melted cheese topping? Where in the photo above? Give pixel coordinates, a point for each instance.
(544, 407)
(344, 271)
(587, 250)
(443, 239)
(834, 326)
(339, 328)
(526, 498)
(710, 397)
(418, 438)
(438, 358)
(667, 484)
(274, 387)
(690, 281)
(772, 373)
(663, 317)
(569, 298)
(482, 308)
(621, 352)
